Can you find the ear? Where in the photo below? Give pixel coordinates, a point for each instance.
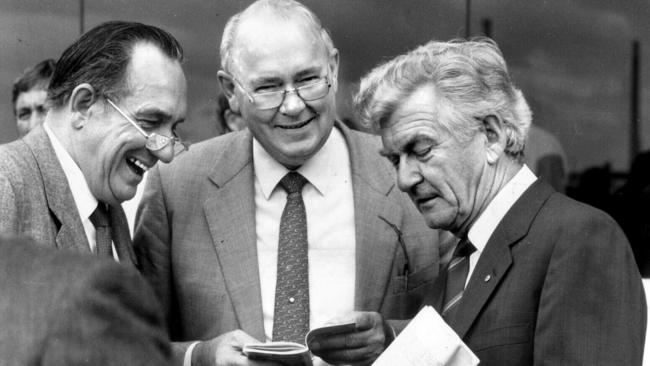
(234, 121)
(228, 88)
(333, 65)
(82, 98)
(495, 143)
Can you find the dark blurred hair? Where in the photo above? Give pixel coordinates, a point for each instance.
(38, 75)
(101, 55)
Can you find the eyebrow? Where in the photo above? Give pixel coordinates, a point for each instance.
(157, 114)
(271, 79)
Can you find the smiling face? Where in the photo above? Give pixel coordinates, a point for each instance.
(113, 157)
(441, 173)
(281, 54)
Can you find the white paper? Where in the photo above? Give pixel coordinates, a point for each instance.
(427, 341)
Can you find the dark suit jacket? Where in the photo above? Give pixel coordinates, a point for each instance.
(195, 238)
(555, 285)
(36, 201)
(63, 308)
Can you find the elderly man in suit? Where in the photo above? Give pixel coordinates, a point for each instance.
(115, 98)
(537, 279)
(63, 308)
(229, 266)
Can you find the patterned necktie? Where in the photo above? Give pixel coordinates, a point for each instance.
(291, 314)
(101, 221)
(457, 271)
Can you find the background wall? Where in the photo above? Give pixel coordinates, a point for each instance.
(571, 58)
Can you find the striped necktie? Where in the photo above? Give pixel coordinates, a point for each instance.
(457, 271)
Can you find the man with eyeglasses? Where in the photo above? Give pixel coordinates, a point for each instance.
(115, 98)
(288, 225)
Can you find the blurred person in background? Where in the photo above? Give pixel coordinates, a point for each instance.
(28, 96)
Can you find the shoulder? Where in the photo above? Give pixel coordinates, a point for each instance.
(202, 157)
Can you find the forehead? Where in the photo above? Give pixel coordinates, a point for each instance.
(419, 112)
(153, 77)
(268, 44)
(33, 96)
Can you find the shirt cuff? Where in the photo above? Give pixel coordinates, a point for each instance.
(187, 360)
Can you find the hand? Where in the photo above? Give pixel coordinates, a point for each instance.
(359, 347)
(226, 350)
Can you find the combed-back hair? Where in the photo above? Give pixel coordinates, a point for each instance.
(471, 81)
(101, 55)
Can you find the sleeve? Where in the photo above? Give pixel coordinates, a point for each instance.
(8, 208)
(592, 308)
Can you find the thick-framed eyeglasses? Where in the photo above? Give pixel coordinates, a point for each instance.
(308, 91)
(155, 141)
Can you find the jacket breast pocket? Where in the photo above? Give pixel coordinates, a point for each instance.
(415, 280)
(406, 294)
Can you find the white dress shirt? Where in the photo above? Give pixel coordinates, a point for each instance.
(329, 207)
(487, 222)
(84, 200)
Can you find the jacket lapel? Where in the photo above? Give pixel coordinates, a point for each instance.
(71, 234)
(230, 213)
(496, 259)
(375, 240)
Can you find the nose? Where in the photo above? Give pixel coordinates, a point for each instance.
(292, 104)
(166, 154)
(408, 174)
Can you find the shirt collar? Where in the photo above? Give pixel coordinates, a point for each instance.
(487, 222)
(83, 198)
(323, 170)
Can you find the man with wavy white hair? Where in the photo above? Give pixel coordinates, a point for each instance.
(537, 279)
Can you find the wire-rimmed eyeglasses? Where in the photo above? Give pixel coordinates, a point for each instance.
(155, 141)
(307, 91)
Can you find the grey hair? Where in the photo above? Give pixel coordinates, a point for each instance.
(283, 8)
(471, 78)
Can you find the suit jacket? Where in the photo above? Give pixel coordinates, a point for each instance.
(63, 308)
(195, 238)
(36, 201)
(555, 285)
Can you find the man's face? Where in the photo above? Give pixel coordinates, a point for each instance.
(114, 156)
(281, 54)
(440, 173)
(30, 110)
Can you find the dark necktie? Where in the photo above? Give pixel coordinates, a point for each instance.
(457, 271)
(101, 221)
(291, 312)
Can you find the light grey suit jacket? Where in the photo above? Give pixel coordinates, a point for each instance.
(195, 239)
(36, 201)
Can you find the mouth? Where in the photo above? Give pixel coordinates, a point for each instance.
(425, 201)
(297, 125)
(137, 166)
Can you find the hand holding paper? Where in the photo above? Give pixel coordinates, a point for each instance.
(427, 341)
(356, 346)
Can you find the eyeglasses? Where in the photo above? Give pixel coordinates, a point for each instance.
(155, 142)
(307, 91)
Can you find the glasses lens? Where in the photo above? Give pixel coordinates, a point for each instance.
(314, 91)
(157, 142)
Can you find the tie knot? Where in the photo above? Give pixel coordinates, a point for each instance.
(293, 182)
(99, 217)
(464, 248)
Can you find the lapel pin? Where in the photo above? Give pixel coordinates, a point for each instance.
(487, 278)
